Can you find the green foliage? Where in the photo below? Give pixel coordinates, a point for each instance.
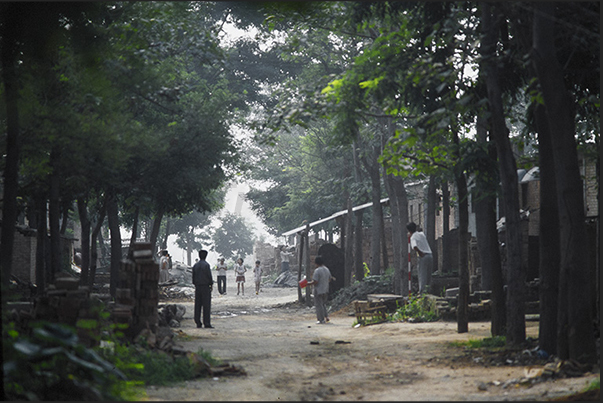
(367, 271)
(370, 321)
(418, 309)
(50, 364)
(148, 367)
(302, 177)
(152, 367)
(488, 342)
(594, 385)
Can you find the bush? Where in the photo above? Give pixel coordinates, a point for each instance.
(151, 367)
(50, 364)
(418, 309)
(46, 361)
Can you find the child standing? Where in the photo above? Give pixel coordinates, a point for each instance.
(257, 276)
(240, 272)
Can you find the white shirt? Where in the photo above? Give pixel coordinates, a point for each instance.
(257, 272)
(221, 269)
(164, 263)
(419, 240)
(240, 269)
(322, 275)
(284, 257)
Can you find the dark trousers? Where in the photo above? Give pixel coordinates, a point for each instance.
(202, 302)
(222, 284)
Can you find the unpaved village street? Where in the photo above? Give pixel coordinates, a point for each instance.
(287, 356)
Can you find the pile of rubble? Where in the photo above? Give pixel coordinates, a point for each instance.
(287, 279)
(180, 285)
(360, 290)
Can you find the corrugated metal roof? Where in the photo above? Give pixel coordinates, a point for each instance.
(338, 214)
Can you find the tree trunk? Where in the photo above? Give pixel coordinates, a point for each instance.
(64, 219)
(445, 228)
(548, 287)
(300, 259)
(430, 219)
(384, 252)
(168, 225)
(134, 235)
(54, 216)
(349, 245)
(10, 36)
(113, 218)
(309, 270)
(189, 247)
(41, 239)
(396, 233)
(93, 242)
(155, 230)
(576, 335)
(358, 241)
(462, 313)
(358, 228)
(399, 191)
(516, 332)
(487, 237)
(82, 209)
(372, 168)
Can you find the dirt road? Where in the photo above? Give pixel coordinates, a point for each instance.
(288, 357)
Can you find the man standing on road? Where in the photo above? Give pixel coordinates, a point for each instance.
(320, 281)
(418, 242)
(221, 267)
(203, 281)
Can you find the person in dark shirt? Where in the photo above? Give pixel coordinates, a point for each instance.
(203, 281)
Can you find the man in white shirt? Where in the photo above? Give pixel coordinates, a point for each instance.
(418, 242)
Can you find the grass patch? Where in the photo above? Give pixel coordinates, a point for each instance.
(151, 367)
(594, 385)
(488, 342)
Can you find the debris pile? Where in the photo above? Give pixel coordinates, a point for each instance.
(360, 291)
(181, 274)
(536, 374)
(171, 315)
(287, 279)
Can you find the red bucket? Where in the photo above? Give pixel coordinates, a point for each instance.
(303, 283)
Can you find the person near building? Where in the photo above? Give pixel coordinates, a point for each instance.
(203, 282)
(240, 276)
(418, 243)
(221, 267)
(320, 281)
(164, 267)
(257, 276)
(284, 259)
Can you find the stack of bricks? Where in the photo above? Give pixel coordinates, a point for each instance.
(137, 297)
(67, 302)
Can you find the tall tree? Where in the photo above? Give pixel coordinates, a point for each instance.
(187, 235)
(516, 333)
(575, 334)
(233, 237)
